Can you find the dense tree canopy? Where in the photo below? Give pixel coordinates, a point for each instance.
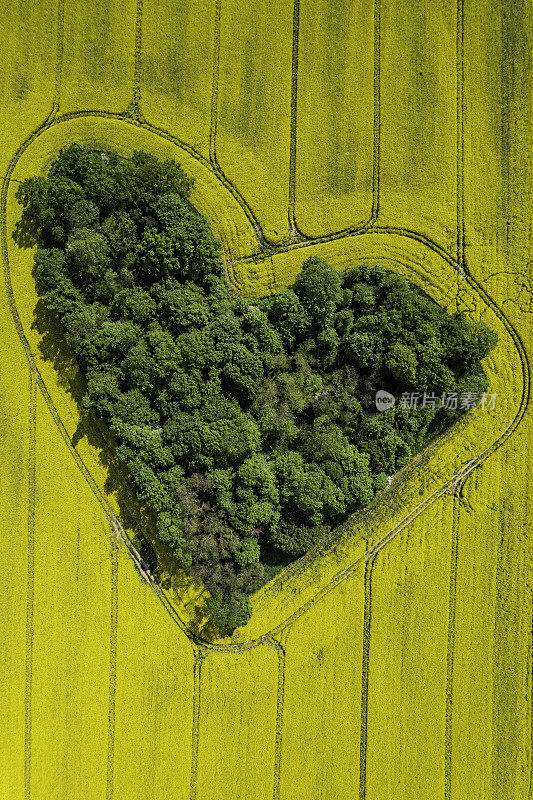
(246, 427)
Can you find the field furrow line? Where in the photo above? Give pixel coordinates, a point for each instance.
(120, 117)
(135, 108)
(213, 120)
(531, 707)
(213, 125)
(266, 244)
(30, 585)
(293, 228)
(345, 233)
(450, 650)
(367, 615)
(376, 145)
(326, 589)
(197, 675)
(364, 226)
(460, 67)
(239, 647)
(279, 715)
(59, 56)
(508, 20)
(113, 637)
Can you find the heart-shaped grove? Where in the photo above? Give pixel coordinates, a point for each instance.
(250, 428)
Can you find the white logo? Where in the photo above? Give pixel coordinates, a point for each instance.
(384, 400)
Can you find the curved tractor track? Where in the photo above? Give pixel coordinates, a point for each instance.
(134, 116)
(452, 483)
(455, 484)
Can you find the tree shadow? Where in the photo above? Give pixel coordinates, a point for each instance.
(156, 557)
(25, 233)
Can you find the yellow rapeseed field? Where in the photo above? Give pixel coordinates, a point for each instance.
(252, 100)
(97, 55)
(396, 662)
(333, 127)
(176, 69)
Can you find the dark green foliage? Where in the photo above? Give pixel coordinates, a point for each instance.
(318, 287)
(229, 608)
(244, 426)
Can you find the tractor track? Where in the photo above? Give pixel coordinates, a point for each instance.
(199, 657)
(135, 108)
(279, 715)
(460, 68)
(346, 233)
(376, 144)
(113, 641)
(59, 57)
(30, 586)
(293, 227)
(365, 667)
(269, 249)
(458, 493)
(337, 235)
(457, 490)
(201, 653)
(456, 482)
(450, 647)
(295, 231)
(213, 118)
(212, 162)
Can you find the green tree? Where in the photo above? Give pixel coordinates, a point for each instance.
(120, 231)
(229, 609)
(88, 254)
(289, 317)
(155, 256)
(401, 362)
(83, 214)
(135, 304)
(249, 553)
(295, 540)
(363, 350)
(319, 288)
